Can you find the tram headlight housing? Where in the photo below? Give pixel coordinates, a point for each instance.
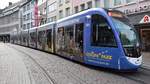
(133, 52)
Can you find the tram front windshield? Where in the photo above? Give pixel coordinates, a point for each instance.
(128, 35)
(126, 31)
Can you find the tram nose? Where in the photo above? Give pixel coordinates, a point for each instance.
(135, 61)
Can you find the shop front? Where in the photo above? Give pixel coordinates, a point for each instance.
(5, 38)
(143, 28)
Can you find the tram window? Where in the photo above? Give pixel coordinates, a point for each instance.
(69, 31)
(102, 34)
(41, 37)
(69, 38)
(79, 35)
(33, 36)
(24, 39)
(49, 38)
(60, 38)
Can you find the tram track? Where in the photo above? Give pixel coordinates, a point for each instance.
(132, 78)
(145, 68)
(141, 76)
(45, 73)
(74, 76)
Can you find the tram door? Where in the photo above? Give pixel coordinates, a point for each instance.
(145, 38)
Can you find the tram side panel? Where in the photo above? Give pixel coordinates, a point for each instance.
(69, 39)
(45, 38)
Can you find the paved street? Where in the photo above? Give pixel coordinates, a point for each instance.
(146, 58)
(12, 67)
(21, 65)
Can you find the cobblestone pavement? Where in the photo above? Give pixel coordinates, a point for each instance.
(42, 68)
(146, 59)
(12, 67)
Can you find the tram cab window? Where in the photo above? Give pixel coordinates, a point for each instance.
(102, 34)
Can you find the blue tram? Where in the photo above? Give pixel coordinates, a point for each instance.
(99, 37)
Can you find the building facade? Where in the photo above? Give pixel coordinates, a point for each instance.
(138, 12)
(42, 10)
(52, 7)
(33, 13)
(9, 21)
(65, 8)
(69, 7)
(80, 5)
(26, 12)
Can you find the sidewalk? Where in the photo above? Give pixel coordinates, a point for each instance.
(146, 59)
(12, 68)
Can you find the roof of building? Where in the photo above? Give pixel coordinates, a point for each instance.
(14, 5)
(11, 8)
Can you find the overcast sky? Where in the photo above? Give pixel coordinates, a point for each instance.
(4, 3)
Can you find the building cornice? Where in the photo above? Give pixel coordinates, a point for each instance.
(12, 11)
(134, 8)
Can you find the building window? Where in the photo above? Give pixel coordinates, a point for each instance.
(52, 7)
(48, 20)
(117, 2)
(54, 18)
(89, 5)
(28, 16)
(60, 14)
(28, 26)
(31, 24)
(107, 3)
(76, 9)
(24, 26)
(61, 2)
(128, 1)
(31, 16)
(28, 6)
(82, 7)
(67, 1)
(67, 11)
(24, 8)
(24, 17)
(97, 3)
